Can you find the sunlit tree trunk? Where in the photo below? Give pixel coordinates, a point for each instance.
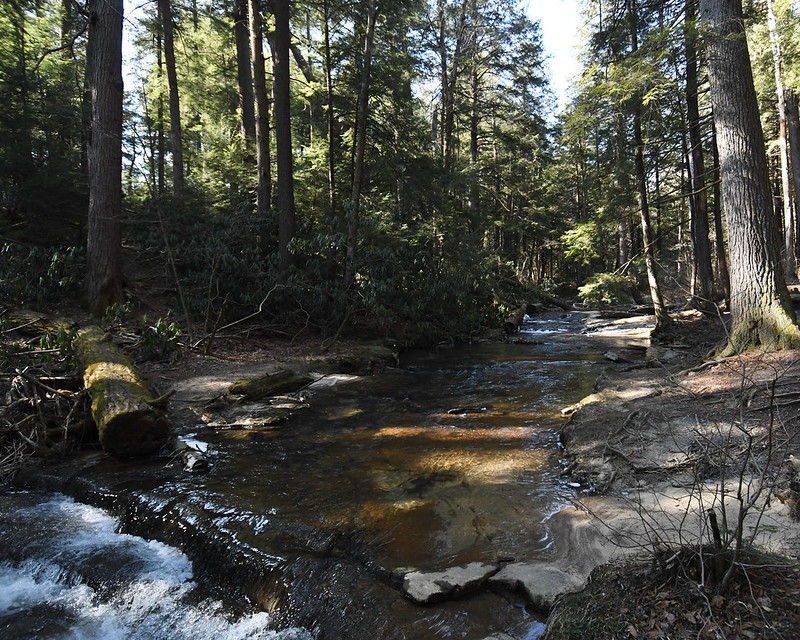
(723, 275)
(104, 243)
(176, 135)
(362, 115)
(264, 188)
(793, 124)
(284, 196)
(789, 262)
(761, 310)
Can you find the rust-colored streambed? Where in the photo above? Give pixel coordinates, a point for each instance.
(452, 459)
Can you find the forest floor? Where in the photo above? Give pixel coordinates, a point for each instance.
(656, 448)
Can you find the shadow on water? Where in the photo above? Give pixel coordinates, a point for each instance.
(454, 458)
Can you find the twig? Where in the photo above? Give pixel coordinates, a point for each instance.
(239, 321)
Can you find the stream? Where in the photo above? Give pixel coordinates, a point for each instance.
(306, 529)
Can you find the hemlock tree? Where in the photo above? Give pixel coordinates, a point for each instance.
(176, 132)
(703, 280)
(287, 221)
(760, 306)
(104, 244)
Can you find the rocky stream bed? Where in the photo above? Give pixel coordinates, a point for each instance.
(437, 500)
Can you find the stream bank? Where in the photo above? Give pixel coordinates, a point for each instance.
(658, 448)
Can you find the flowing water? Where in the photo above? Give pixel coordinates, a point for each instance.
(452, 458)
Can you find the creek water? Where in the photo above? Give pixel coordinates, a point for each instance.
(305, 529)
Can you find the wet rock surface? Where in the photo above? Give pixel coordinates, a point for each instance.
(435, 586)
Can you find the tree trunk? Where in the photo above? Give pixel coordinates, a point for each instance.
(244, 74)
(104, 246)
(264, 188)
(703, 289)
(287, 222)
(176, 136)
(161, 146)
(789, 262)
(128, 420)
(723, 274)
(663, 319)
(761, 310)
(449, 77)
(330, 113)
(362, 115)
(623, 243)
(474, 191)
(793, 123)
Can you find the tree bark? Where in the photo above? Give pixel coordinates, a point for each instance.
(703, 289)
(176, 135)
(793, 123)
(761, 309)
(789, 261)
(104, 245)
(244, 74)
(161, 143)
(331, 118)
(723, 275)
(264, 188)
(129, 422)
(362, 115)
(287, 222)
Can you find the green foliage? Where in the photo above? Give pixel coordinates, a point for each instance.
(607, 288)
(62, 343)
(159, 340)
(580, 243)
(36, 276)
(116, 315)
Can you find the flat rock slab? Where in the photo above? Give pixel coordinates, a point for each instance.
(541, 584)
(332, 380)
(430, 587)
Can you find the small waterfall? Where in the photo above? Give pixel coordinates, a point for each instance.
(65, 572)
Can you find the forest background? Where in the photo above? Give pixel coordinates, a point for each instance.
(395, 169)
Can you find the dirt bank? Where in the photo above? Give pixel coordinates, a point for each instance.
(657, 448)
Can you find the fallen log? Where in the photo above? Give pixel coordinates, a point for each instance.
(129, 422)
(556, 302)
(514, 321)
(270, 384)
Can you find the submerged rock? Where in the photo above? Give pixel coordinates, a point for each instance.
(429, 587)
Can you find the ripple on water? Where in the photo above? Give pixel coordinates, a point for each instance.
(67, 573)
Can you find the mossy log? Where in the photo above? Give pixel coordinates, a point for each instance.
(129, 422)
(270, 384)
